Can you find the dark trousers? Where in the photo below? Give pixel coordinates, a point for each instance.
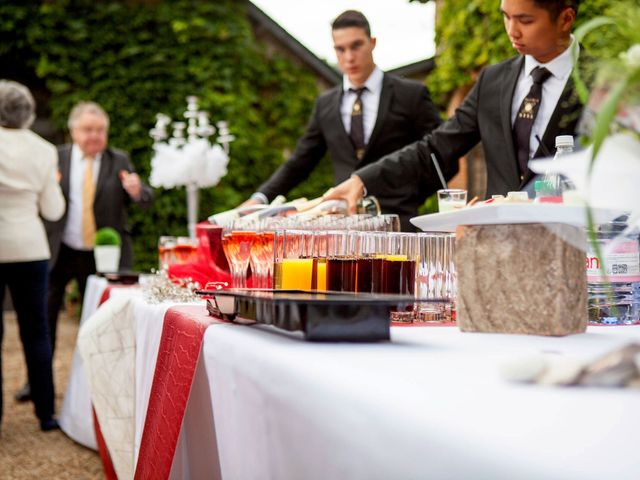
(27, 282)
(78, 264)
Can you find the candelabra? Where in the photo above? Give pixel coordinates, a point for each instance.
(192, 161)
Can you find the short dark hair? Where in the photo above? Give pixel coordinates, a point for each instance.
(554, 7)
(351, 18)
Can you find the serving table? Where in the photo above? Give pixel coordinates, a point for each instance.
(429, 404)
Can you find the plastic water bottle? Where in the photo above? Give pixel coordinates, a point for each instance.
(549, 189)
(614, 298)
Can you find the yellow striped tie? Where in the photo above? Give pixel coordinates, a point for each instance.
(88, 193)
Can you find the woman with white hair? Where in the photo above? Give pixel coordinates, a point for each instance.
(29, 190)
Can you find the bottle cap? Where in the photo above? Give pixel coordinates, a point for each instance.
(564, 141)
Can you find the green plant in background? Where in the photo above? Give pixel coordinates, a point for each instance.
(107, 236)
(616, 68)
(140, 58)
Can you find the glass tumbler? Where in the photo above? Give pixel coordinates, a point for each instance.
(166, 251)
(451, 199)
(297, 262)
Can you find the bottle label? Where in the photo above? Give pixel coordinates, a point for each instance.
(622, 264)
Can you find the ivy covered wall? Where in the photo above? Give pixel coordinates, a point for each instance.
(138, 58)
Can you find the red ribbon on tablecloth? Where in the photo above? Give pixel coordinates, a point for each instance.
(107, 464)
(180, 347)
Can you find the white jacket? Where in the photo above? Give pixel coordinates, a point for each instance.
(28, 188)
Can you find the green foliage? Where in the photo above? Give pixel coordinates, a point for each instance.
(140, 58)
(107, 236)
(615, 66)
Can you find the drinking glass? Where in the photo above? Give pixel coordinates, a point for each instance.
(237, 244)
(370, 256)
(186, 250)
(390, 222)
(166, 251)
(399, 270)
(399, 265)
(436, 279)
(319, 275)
(451, 199)
(261, 259)
(341, 261)
(297, 263)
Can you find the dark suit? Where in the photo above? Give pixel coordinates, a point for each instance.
(110, 210)
(485, 115)
(405, 114)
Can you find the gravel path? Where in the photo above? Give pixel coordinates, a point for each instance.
(25, 451)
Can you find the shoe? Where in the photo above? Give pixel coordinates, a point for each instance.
(48, 425)
(24, 394)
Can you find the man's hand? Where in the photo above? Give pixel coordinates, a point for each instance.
(131, 184)
(351, 190)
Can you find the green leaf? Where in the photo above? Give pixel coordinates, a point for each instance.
(583, 30)
(605, 116)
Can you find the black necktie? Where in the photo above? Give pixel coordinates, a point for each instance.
(526, 116)
(357, 125)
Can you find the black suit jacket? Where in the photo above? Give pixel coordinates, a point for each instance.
(485, 115)
(405, 114)
(109, 205)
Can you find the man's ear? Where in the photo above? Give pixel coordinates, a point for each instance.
(567, 18)
(373, 42)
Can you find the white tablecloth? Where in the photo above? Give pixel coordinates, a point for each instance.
(430, 404)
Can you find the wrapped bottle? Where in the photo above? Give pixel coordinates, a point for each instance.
(614, 284)
(367, 205)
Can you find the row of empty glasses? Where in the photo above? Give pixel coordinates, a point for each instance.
(348, 254)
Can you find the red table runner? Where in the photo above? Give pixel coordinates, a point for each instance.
(180, 347)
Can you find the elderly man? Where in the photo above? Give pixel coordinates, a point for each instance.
(98, 183)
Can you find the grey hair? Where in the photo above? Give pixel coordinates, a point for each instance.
(85, 107)
(17, 106)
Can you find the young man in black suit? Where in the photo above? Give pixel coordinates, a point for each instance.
(358, 127)
(516, 109)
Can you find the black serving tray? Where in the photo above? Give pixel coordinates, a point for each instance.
(126, 277)
(322, 317)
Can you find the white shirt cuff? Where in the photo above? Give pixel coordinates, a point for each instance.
(260, 197)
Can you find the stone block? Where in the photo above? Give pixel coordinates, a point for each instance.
(528, 279)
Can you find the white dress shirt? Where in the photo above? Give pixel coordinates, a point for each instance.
(72, 235)
(370, 101)
(560, 68)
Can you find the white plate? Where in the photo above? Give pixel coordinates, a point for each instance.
(500, 214)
